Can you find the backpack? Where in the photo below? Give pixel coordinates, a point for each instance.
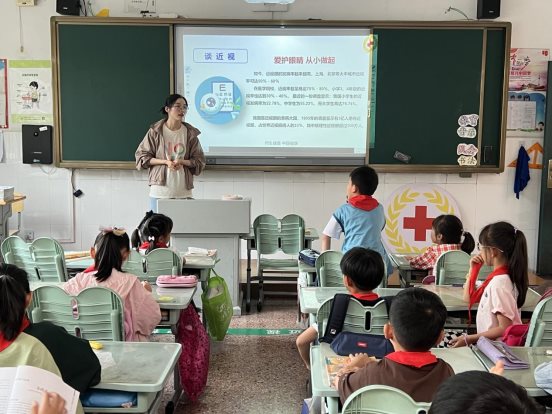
(193, 364)
(345, 343)
(309, 256)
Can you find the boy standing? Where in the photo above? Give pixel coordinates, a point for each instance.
(362, 272)
(416, 321)
(361, 219)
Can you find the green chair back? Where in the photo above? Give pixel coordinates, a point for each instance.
(382, 399)
(43, 259)
(161, 262)
(266, 228)
(16, 251)
(452, 267)
(292, 234)
(134, 264)
(540, 327)
(328, 269)
(96, 313)
(359, 318)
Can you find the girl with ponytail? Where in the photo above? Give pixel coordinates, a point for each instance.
(154, 231)
(447, 233)
(503, 293)
(111, 249)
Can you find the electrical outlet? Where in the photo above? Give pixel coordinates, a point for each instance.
(28, 235)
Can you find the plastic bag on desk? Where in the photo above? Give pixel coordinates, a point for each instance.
(217, 305)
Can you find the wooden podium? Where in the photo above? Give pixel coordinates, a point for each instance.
(211, 224)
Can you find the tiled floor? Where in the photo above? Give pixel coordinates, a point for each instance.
(254, 374)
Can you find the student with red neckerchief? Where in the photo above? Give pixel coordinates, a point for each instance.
(362, 272)
(361, 219)
(503, 293)
(153, 232)
(416, 320)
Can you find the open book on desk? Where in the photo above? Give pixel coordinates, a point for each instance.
(21, 386)
(334, 364)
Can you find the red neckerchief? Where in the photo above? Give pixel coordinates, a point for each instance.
(365, 296)
(412, 359)
(364, 202)
(4, 343)
(91, 268)
(158, 244)
(475, 294)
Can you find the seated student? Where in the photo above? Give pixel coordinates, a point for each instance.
(446, 234)
(503, 292)
(362, 271)
(141, 311)
(416, 320)
(479, 392)
(74, 357)
(154, 231)
(361, 219)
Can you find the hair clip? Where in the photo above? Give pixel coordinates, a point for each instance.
(515, 231)
(117, 231)
(151, 238)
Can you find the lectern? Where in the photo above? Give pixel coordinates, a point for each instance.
(211, 224)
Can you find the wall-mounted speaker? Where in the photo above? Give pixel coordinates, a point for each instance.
(68, 7)
(37, 144)
(488, 9)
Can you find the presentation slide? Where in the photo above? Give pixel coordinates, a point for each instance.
(278, 93)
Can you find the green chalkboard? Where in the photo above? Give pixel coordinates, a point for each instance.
(112, 75)
(112, 81)
(427, 77)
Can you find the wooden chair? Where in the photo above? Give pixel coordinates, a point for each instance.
(96, 313)
(272, 236)
(43, 259)
(382, 399)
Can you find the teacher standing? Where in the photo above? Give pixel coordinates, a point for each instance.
(172, 153)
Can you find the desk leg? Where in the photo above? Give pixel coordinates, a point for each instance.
(204, 277)
(248, 284)
(333, 405)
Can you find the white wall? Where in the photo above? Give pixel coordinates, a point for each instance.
(120, 197)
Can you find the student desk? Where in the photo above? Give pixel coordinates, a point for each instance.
(453, 298)
(403, 265)
(5, 214)
(141, 367)
(310, 298)
(524, 377)
(460, 359)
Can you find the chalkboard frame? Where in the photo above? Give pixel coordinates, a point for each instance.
(402, 168)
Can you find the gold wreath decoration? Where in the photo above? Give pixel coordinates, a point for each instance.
(394, 211)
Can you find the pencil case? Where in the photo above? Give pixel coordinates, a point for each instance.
(176, 281)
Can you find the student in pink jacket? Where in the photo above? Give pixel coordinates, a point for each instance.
(141, 311)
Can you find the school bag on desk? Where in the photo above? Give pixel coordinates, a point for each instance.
(217, 305)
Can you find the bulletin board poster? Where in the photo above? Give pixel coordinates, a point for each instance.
(527, 92)
(3, 93)
(30, 97)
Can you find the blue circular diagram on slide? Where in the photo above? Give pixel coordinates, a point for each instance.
(218, 100)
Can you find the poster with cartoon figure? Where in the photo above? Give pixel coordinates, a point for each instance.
(527, 92)
(30, 92)
(3, 94)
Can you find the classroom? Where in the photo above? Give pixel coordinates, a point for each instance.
(257, 368)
